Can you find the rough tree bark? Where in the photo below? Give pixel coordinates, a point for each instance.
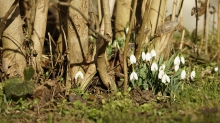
(123, 10)
(39, 31)
(102, 44)
(13, 59)
(77, 36)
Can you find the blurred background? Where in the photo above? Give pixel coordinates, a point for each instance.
(190, 21)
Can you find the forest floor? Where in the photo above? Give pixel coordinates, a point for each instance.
(198, 102)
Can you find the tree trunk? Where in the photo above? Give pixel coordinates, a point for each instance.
(123, 10)
(39, 31)
(156, 15)
(77, 39)
(102, 45)
(13, 59)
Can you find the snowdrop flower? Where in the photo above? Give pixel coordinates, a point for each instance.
(176, 67)
(133, 76)
(165, 79)
(161, 73)
(182, 59)
(126, 30)
(153, 53)
(216, 69)
(79, 74)
(192, 75)
(177, 61)
(148, 57)
(183, 74)
(162, 67)
(154, 67)
(132, 59)
(143, 55)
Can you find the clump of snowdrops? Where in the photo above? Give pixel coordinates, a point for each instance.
(160, 76)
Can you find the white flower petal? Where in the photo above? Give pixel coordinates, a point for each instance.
(133, 76)
(176, 67)
(153, 53)
(177, 61)
(148, 57)
(168, 79)
(182, 59)
(216, 69)
(193, 75)
(161, 73)
(154, 67)
(183, 74)
(162, 67)
(132, 59)
(79, 74)
(164, 78)
(143, 55)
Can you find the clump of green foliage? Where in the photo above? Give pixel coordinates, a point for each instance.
(16, 87)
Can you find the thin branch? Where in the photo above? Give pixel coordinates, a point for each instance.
(180, 8)
(87, 20)
(143, 31)
(126, 47)
(197, 17)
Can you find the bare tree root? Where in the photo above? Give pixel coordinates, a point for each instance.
(102, 68)
(101, 47)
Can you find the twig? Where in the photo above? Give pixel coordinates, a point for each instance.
(197, 17)
(126, 47)
(67, 60)
(87, 20)
(51, 54)
(32, 18)
(180, 8)
(143, 32)
(158, 16)
(182, 40)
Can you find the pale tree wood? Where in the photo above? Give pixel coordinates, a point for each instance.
(153, 15)
(12, 40)
(122, 16)
(126, 47)
(144, 31)
(163, 43)
(102, 44)
(77, 37)
(39, 31)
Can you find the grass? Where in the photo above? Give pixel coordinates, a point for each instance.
(197, 102)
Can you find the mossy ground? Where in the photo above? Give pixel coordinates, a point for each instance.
(197, 102)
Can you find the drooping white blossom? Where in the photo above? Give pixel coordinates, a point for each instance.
(193, 75)
(183, 74)
(177, 61)
(143, 55)
(216, 69)
(165, 78)
(153, 53)
(154, 66)
(79, 74)
(148, 57)
(162, 67)
(161, 73)
(182, 59)
(133, 76)
(176, 67)
(132, 59)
